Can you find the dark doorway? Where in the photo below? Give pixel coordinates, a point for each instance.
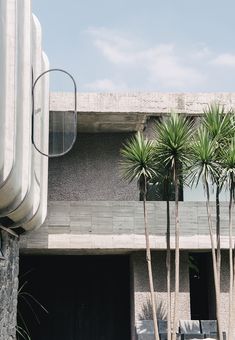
(87, 297)
(202, 297)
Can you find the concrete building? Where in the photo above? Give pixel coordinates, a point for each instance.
(85, 261)
(91, 245)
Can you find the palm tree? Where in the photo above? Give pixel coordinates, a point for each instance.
(138, 164)
(204, 166)
(163, 184)
(228, 173)
(167, 183)
(173, 135)
(219, 125)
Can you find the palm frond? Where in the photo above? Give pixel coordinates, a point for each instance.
(173, 140)
(30, 302)
(219, 124)
(204, 165)
(227, 162)
(22, 333)
(137, 159)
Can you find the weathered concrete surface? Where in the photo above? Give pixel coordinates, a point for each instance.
(142, 308)
(91, 171)
(122, 112)
(143, 102)
(8, 287)
(119, 225)
(141, 286)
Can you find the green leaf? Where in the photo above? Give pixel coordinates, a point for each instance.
(137, 160)
(172, 150)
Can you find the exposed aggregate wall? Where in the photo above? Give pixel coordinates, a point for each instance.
(91, 171)
(141, 285)
(8, 287)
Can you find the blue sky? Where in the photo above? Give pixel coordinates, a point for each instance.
(136, 45)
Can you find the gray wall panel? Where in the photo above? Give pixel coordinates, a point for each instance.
(91, 171)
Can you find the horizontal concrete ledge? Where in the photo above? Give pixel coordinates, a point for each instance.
(120, 243)
(152, 103)
(119, 225)
(59, 251)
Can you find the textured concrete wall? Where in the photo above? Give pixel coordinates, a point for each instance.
(146, 102)
(91, 171)
(141, 285)
(142, 310)
(224, 288)
(8, 287)
(119, 225)
(224, 291)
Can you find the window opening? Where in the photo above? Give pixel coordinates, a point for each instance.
(62, 125)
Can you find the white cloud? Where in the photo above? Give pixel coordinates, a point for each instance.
(112, 52)
(160, 63)
(200, 51)
(225, 59)
(165, 67)
(114, 47)
(106, 85)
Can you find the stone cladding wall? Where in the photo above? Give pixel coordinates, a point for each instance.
(8, 287)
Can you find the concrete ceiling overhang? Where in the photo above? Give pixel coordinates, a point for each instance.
(102, 121)
(123, 112)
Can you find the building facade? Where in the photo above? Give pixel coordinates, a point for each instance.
(83, 268)
(91, 245)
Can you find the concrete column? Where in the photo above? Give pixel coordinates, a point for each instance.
(141, 286)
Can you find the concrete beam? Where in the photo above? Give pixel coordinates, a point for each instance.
(119, 226)
(144, 102)
(116, 112)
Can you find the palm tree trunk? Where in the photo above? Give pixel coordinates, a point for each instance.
(217, 295)
(218, 253)
(168, 268)
(177, 257)
(230, 265)
(150, 273)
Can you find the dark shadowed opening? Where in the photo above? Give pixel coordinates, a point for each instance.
(87, 297)
(202, 295)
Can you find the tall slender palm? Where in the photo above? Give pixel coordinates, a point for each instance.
(173, 136)
(138, 164)
(227, 158)
(167, 183)
(166, 180)
(163, 184)
(204, 167)
(219, 125)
